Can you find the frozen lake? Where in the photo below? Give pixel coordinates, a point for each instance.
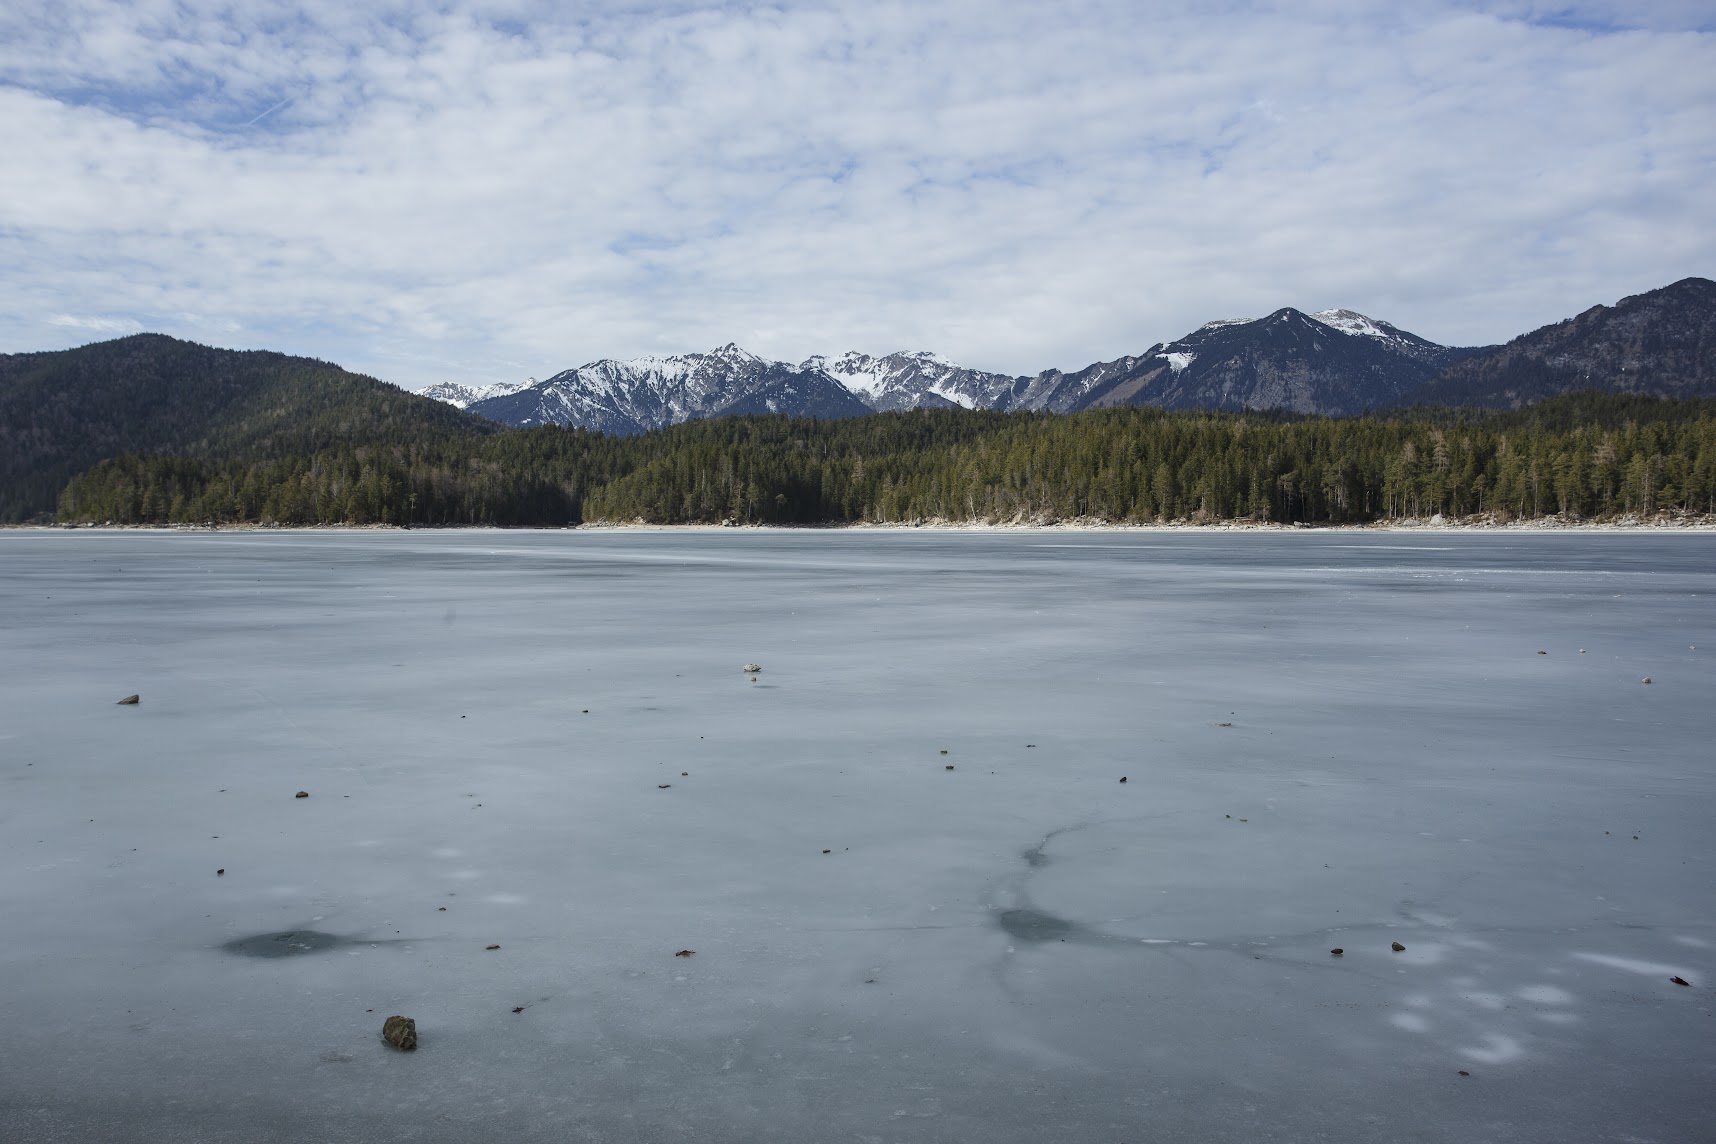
(544, 741)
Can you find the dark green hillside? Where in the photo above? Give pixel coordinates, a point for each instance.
(64, 411)
(1585, 455)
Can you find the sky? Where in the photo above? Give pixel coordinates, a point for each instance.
(484, 192)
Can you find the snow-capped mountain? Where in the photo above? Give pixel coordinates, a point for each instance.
(462, 396)
(647, 393)
(1333, 362)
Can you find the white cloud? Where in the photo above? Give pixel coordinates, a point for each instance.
(120, 326)
(496, 190)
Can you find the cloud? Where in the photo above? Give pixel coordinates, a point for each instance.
(490, 190)
(119, 326)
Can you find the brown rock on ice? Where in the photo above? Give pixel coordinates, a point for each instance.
(1397, 947)
(129, 701)
(685, 953)
(400, 1032)
(1337, 951)
(1681, 981)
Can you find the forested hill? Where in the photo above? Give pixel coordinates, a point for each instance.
(61, 412)
(1586, 456)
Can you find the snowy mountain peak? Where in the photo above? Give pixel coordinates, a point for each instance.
(461, 396)
(1355, 323)
(732, 351)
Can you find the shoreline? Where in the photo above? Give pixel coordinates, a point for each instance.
(1425, 526)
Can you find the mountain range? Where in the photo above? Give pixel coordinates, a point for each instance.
(1333, 362)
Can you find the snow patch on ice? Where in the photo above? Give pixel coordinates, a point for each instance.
(1633, 965)
(1496, 1050)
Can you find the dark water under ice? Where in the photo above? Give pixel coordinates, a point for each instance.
(1330, 739)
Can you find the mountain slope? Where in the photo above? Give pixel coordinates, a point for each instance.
(641, 394)
(61, 412)
(913, 381)
(1661, 343)
(1335, 363)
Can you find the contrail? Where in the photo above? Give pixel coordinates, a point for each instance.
(271, 110)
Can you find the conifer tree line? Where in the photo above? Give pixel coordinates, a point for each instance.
(1584, 456)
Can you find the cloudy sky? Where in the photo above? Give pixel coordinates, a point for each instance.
(487, 191)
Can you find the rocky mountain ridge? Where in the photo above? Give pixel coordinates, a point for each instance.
(1661, 343)
(1332, 362)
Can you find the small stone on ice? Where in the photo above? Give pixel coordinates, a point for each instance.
(1681, 981)
(1397, 947)
(1337, 951)
(753, 668)
(400, 1032)
(1122, 778)
(302, 794)
(685, 953)
(222, 870)
(662, 786)
(949, 767)
(1646, 679)
(491, 947)
(129, 701)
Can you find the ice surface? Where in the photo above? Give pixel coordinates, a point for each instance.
(1330, 739)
